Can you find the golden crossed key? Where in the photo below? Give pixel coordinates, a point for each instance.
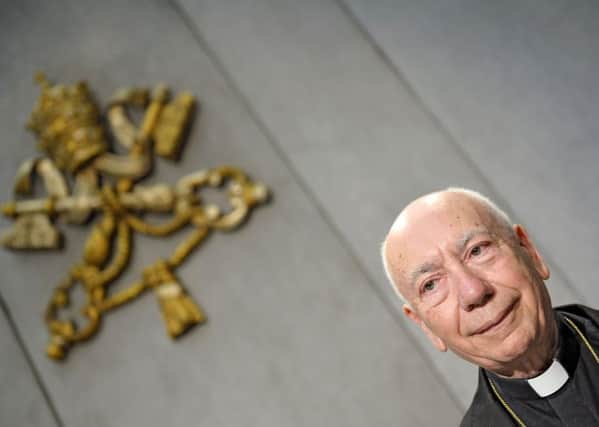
(68, 125)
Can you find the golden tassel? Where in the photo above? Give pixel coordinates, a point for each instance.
(179, 310)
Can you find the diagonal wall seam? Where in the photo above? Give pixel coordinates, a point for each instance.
(34, 370)
(306, 189)
(436, 120)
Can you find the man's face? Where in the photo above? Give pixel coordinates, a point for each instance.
(472, 287)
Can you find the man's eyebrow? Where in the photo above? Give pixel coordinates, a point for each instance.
(422, 269)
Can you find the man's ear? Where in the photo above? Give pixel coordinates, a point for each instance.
(536, 257)
(414, 317)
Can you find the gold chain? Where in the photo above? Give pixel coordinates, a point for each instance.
(505, 404)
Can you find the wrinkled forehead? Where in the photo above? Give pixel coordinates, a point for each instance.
(431, 226)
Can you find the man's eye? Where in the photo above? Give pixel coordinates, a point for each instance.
(477, 250)
(429, 286)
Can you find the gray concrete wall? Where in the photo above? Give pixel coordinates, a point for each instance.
(347, 110)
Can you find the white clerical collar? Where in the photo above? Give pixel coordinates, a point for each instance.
(549, 381)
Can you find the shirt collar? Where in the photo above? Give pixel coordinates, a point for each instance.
(550, 381)
(553, 378)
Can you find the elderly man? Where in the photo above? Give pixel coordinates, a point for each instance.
(474, 284)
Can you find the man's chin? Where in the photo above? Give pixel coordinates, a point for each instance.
(511, 349)
(499, 353)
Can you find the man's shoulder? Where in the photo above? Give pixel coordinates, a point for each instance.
(484, 409)
(579, 310)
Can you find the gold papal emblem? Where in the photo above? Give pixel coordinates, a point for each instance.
(83, 178)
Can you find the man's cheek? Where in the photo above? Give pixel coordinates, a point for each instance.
(440, 322)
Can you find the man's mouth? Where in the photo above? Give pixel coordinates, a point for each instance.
(495, 322)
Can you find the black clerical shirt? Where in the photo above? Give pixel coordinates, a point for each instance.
(575, 404)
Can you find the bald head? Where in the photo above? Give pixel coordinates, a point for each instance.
(422, 218)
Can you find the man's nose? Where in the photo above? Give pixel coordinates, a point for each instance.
(473, 291)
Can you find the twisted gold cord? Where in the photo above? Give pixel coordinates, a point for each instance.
(583, 338)
(123, 297)
(505, 405)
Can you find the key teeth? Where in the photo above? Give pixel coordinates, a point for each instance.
(57, 348)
